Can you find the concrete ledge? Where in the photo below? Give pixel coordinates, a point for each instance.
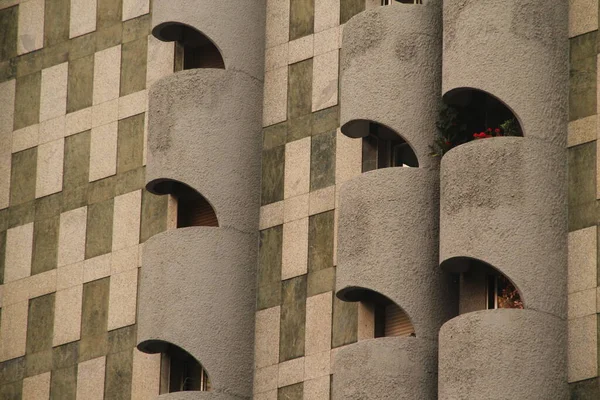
(516, 50)
(503, 202)
(388, 243)
(386, 368)
(391, 73)
(204, 130)
(197, 291)
(503, 354)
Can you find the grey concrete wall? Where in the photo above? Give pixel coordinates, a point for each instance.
(503, 354)
(516, 50)
(390, 74)
(386, 368)
(204, 129)
(237, 28)
(388, 242)
(197, 291)
(503, 201)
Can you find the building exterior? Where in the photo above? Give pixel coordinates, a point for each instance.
(237, 199)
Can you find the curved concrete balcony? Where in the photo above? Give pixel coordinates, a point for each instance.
(237, 28)
(391, 74)
(386, 368)
(516, 51)
(503, 202)
(204, 130)
(198, 396)
(197, 292)
(388, 243)
(503, 354)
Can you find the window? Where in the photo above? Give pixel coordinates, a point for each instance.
(390, 320)
(383, 148)
(193, 209)
(180, 372)
(389, 2)
(501, 293)
(194, 50)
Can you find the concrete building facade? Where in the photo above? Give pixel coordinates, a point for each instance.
(237, 200)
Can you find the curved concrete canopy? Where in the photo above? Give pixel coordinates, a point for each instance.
(516, 50)
(503, 354)
(388, 243)
(390, 74)
(503, 201)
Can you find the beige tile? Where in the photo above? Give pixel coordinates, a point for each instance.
(317, 389)
(53, 97)
(582, 131)
(160, 60)
(41, 284)
(67, 315)
(366, 321)
(90, 379)
(325, 80)
(582, 259)
(71, 236)
(1, 295)
(25, 138)
(583, 16)
(318, 323)
(146, 376)
(83, 17)
(369, 4)
(96, 268)
(335, 230)
(133, 104)
(265, 379)
(317, 365)
(50, 160)
(8, 3)
(270, 395)
(348, 158)
(271, 215)
(266, 346)
(69, 276)
(290, 372)
(295, 208)
(297, 168)
(294, 249)
(103, 151)
(582, 349)
(275, 96)
(333, 354)
(7, 107)
(122, 299)
(37, 387)
(327, 14)
(78, 121)
(107, 74)
(278, 22)
(31, 26)
(52, 129)
(135, 8)
(276, 57)
(105, 113)
(15, 292)
(327, 41)
(19, 246)
(582, 303)
(125, 259)
(301, 49)
(126, 221)
(322, 200)
(13, 330)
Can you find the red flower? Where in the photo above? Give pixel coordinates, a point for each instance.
(497, 130)
(489, 129)
(448, 143)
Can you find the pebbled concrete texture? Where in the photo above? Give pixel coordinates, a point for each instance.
(503, 202)
(237, 28)
(204, 130)
(503, 354)
(516, 50)
(197, 292)
(391, 74)
(386, 368)
(388, 243)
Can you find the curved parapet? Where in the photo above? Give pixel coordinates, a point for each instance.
(515, 50)
(386, 368)
(390, 74)
(503, 354)
(198, 396)
(237, 28)
(388, 243)
(197, 292)
(204, 130)
(503, 202)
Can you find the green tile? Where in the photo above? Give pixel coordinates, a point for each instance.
(108, 13)
(55, 55)
(109, 37)
(23, 175)
(8, 32)
(21, 214)
(137, 28)
(130, 181)
(293, 318)
(130, 143)
(320, 241)
(56, 21)
(274, 135)
(12, 370)
(300, 88)
(12, 391)
(8, 70)
(74, 198)
(2, 255)
(27, 100)
(45, 245)
(582, 94)
(322, 161)
(80, 85)
(63, 384)
(119, 374)
(583, 209)
(325, 120)
(38, 363)
(122, 339)
(302, 18)
(30, 62)
(273, 167)
(94, 319)
(102, 190)
(40, 324)
(99, 229)
(133, 66)
(48, 206)
(582, 47)
(65, 356)
(299, 127)
(154, 215)
(292, 392)
(77, 160)
(588, 389)
(82, 46)
(320, 281)
(349, 8)
(345, 323)
(4, 219)
(269, 268)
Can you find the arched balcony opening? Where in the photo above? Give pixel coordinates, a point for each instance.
(390, 2)
(181, 372)
(192, 48)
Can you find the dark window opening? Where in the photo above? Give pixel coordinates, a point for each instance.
(194, 50)
(501, 293)
(383, 148)
(180, 372)
(389, 2)
(193, 209)
(391, 320)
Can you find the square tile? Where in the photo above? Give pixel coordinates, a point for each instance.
(53, 101)
(82, 17)
(582, 259)
(276, 57)
(295, 249)
(296, 208)
(25, 138)
(19, 247)
(327, 14)
(67, 315)
(290, 372)
(583, 16)
(321, 200)
(13, 333)
(146, 376)
(582, 303)
(266, 347)
(90, 379)
(325, 80)
(37, 387)
(122, 299)
(301, 49)
(78, 121)
(50, 160)
(160, 60)
(278, 22)
(126, 221)
(297, 167)
(583, 348)
(71, 237)
(31, 26)
(275, 96)
(103, 151)
(271, 215)
(107, 74)
(105, 113)
(318, 323)
(135, 8)
(327, 41)
(52, 129)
